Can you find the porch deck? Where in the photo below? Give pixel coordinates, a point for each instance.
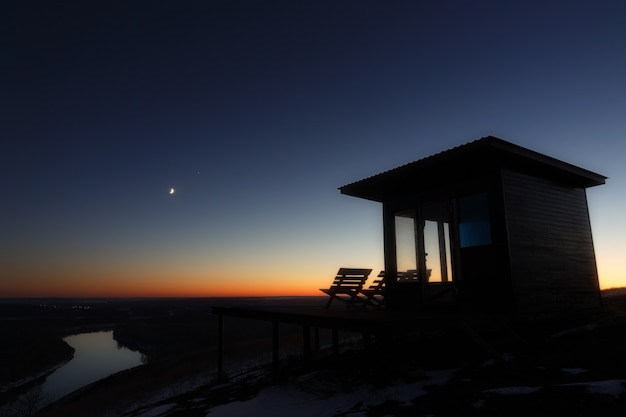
(366, 322)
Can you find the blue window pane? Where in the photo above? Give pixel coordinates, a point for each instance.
(474, 222)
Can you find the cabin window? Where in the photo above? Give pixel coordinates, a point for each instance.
(437, 246)
(474, 223)
(406, 257)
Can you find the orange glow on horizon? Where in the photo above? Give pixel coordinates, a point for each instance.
(73, 285)
(133, 291)
(225, 283)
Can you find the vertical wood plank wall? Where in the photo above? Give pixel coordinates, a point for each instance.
(553, 264)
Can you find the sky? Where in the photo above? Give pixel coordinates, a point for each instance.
(255, 112)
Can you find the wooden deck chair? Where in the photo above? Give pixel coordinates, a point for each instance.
(412, 275)
(347, 285)
(374, 295)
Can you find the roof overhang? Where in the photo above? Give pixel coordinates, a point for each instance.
(474, 159)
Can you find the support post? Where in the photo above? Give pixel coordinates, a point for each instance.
(275, 350)
(367, 340)
(220, 347)
(443, 257)
(389, 247)
(306, 339)
(420, 248)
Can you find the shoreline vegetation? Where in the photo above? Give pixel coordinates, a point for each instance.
(177, 339)
(30, 351)
(169, 333)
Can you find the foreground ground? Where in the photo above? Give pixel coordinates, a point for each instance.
(576, 368)
(578, 373)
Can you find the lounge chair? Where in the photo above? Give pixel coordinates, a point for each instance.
(374, 295)
(412, 275)
(347, 285)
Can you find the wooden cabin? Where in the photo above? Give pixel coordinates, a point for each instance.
(488, 226)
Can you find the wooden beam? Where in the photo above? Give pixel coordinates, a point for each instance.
(420, 255)
(443, 257)
(220, 347)
(306, 340)
(317, 338)
(275, 349)
(389, 246)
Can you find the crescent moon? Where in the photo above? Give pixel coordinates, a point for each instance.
(172, 190)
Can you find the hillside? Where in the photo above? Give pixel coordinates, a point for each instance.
(566, 368)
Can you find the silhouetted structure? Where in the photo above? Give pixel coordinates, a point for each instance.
(487, 227)
(347, 285)
(503, 229)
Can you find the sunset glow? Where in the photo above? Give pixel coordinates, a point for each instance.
(196, 150)
(151, 286)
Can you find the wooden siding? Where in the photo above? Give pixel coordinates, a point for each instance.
(553, 267)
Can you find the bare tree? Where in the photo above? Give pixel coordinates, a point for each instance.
(26, 405)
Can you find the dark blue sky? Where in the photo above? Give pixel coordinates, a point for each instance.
(255, 112)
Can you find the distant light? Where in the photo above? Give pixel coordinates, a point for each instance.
(172, 191)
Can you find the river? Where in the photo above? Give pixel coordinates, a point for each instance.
(96, 356)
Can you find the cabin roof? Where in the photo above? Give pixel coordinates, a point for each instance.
(462, 163)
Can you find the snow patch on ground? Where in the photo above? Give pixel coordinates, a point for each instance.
(158, 411)
(162, 395)
(287, 400)
(514, 390)
(614, 387)
(573, 371)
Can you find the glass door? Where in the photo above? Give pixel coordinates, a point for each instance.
(424, 255)
(437, 242)
(406, 241)
(424, 250)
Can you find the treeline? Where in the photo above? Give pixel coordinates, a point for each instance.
(167, 336)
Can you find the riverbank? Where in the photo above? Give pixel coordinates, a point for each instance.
(574, 368)
(581, 360)
(577, 368)
(144, 384)
(29, 351)
(33, 351)
(165, 331)
(32, 330)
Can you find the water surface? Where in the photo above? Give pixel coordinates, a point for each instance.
(97, 355)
